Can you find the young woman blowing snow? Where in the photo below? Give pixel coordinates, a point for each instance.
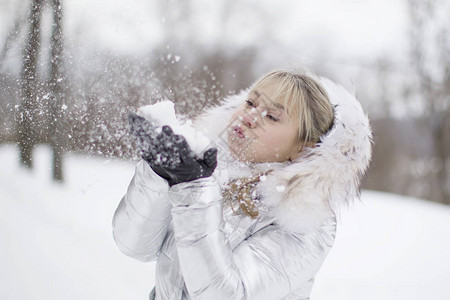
(256, 216)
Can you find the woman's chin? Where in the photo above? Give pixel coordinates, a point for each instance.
(240, 156)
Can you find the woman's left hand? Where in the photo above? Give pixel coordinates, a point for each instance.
(186, 166)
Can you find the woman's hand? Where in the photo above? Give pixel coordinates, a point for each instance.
(169, 154)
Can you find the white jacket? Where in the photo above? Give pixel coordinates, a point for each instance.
(204, 250)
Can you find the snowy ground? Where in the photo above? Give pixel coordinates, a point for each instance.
(56, 240)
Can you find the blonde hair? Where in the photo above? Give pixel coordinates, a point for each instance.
(304, 99)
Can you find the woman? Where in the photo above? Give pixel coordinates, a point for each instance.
(291, 151)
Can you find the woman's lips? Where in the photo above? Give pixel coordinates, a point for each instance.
(239, 132)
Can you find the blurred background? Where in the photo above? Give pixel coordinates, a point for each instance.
(71, 69)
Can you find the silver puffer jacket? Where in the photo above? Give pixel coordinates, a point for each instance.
(205, 250)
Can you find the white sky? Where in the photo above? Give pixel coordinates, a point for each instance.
(353, 27)
(346, 28)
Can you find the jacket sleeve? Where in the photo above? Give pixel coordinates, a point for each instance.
(269, 264)
(141, 220)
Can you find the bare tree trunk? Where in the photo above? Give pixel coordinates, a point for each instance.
(29, 86)
(56, 92)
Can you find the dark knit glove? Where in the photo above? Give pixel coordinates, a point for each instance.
(169, 154)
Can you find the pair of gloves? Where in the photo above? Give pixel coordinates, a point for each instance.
(169, 154)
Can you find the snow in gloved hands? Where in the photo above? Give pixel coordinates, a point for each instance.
(174, 150)
(155, 145)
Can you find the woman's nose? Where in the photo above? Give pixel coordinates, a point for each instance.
(250, 119)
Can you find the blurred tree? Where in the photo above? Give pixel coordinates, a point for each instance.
(55, 84)
(29, 85)
(430, 56)
(41, 110)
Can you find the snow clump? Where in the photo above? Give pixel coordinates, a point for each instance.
(163, 113)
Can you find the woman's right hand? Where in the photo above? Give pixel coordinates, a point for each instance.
(169, 154)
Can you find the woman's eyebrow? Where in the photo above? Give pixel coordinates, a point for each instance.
(278, 105)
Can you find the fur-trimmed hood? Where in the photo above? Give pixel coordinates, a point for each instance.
(308, 191)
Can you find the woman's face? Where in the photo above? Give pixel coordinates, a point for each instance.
(261, 130)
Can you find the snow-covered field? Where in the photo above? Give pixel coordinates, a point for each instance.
(56, 240)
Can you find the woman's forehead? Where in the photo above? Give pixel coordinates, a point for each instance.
(269, 93)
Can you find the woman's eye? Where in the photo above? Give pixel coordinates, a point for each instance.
(250, 103)
(272, 118)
